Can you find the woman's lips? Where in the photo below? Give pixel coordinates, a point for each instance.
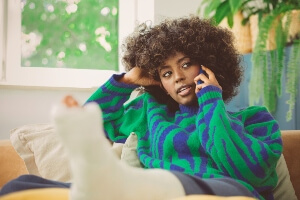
(184, 91)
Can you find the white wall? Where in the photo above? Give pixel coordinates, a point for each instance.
(20, 106)
(174, 8)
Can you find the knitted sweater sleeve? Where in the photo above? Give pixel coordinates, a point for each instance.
(246, 145)
(118, 118)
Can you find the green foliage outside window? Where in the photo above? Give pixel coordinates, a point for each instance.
(81, 34)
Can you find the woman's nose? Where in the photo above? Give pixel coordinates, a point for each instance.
(179, 76)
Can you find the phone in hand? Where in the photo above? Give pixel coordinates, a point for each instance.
(201, 72)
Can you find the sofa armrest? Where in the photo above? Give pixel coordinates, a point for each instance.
(291, 149)
(11, 165)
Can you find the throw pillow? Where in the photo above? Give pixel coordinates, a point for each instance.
(44, 155)
(40, 148)
(284, 188)
(129, 153)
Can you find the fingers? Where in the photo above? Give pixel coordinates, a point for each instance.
(201, 77)
(210, 79)
(201, 86)
(198, 88)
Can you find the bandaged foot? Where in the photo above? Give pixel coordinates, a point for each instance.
(96, 170)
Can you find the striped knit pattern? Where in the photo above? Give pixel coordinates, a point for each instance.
(205, 141)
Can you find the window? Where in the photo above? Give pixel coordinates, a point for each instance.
(65, 43)
(69, 34)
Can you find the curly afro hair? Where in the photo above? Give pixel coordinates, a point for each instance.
(199, 39)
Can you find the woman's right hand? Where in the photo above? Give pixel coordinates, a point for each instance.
(138, 76)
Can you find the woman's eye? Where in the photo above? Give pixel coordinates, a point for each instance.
(186, 65)
(166, 74)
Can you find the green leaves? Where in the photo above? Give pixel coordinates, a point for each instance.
(211, 6)
(272, 64)
(67, 34)
(267, 66)
(218, 10)
(222, 11)
(293, 77)
(235, 5)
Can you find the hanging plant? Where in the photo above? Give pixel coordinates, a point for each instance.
(269, 58)
(268, 65)
(292, 77)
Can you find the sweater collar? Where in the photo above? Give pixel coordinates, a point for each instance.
(188, 109)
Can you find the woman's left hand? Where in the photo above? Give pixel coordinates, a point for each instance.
(210, 79)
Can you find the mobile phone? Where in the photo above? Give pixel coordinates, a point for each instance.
(201, 72)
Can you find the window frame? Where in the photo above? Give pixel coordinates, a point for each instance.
(2, 40)
(13, 73)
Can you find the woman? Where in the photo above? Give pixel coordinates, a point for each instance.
(187, 141)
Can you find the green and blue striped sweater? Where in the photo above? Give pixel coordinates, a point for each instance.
(205, 141)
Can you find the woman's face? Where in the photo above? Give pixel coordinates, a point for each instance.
(177, 77)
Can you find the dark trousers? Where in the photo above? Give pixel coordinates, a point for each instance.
(212, 186)
(26, 182)
(191, 185)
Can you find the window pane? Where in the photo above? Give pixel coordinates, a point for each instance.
(81, 34)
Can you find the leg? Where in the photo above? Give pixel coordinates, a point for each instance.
(213, 186)
(26, 182)
(97, 172)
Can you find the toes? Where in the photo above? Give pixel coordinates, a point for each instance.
(69, 101)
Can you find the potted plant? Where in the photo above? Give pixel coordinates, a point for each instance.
(268, 61)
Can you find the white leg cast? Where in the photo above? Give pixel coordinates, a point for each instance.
(97, 172)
